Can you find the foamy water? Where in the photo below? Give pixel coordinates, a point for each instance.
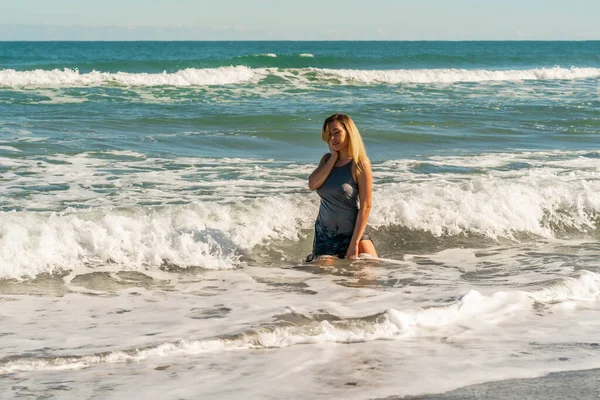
(243, 75)
(372, 313)
(150, 215)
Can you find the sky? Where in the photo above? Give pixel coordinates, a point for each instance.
(299, 20)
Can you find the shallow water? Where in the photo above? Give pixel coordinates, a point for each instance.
(430, 323)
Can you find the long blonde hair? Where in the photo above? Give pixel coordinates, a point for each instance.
(356, 147)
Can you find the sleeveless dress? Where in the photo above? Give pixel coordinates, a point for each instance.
(337, 214)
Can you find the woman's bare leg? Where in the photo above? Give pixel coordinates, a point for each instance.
(326, 260)
(366, 246)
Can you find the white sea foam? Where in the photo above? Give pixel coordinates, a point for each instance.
(454, 75)
(10, 148)
(473, 314)
(539, 203)
(95, 180)
(477, 311)
(307, 55)
(182, 78)
(584, 288)
(194, 77)
(135, 218)
(207, 235)
(127, 153)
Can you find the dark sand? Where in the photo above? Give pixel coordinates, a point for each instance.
(580, 385)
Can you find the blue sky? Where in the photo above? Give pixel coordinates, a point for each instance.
(299, 20)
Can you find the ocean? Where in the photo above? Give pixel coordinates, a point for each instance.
(155, 218)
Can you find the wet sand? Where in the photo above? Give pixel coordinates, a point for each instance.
(580, 385)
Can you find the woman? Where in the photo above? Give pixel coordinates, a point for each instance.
(341, 179)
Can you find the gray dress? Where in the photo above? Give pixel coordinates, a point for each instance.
(337, 213)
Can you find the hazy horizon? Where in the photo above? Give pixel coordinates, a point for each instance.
(309, 20)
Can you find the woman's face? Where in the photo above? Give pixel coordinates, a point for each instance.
(338, 137)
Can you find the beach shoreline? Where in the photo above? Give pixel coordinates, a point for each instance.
(577, 384)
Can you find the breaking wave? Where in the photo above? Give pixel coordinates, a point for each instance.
(237, 75)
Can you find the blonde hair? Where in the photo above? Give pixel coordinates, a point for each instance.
(356, 147)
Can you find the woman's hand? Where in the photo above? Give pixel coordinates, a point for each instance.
(352, 252)
(320, 174)
(333, 152)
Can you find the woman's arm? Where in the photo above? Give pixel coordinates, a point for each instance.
(320, 174)
(365, 193)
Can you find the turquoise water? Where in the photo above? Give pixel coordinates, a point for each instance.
(409, 98)
(159, 189)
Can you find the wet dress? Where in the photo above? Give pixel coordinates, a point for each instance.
(337, 214)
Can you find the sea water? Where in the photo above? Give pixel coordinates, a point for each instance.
(155, 215)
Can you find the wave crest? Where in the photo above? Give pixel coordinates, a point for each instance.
(213, 236)
(182, 78)
(549, 195)
(235, 75)
(455, 75)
